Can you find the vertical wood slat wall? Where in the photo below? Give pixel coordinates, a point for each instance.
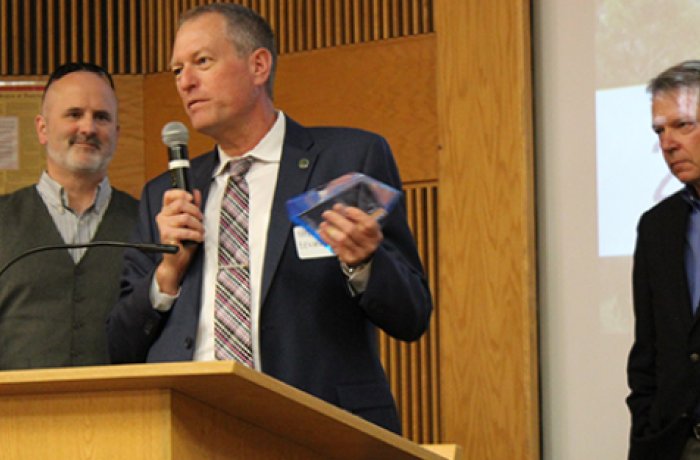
(413, 367)
(134, 37)
(38, 35)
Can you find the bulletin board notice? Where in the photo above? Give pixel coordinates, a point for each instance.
(21, 155)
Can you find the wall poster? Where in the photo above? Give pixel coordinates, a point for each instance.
(21, 155)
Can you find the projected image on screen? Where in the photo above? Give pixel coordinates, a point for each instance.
(631, 173)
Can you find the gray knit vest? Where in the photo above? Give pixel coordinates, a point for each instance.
(52, 311)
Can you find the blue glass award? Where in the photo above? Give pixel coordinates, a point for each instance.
(354, 189)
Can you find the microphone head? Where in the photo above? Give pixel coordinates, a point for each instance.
(175, 133)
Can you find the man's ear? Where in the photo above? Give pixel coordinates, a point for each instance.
(40, 125)
(261, 65)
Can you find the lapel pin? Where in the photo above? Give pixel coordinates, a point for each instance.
(304, 163)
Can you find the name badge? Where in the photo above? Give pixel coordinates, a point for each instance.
(309, 247)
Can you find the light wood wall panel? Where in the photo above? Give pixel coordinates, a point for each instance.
(128, 167)
(488, 340)
(387, 87)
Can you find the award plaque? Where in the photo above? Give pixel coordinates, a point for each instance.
(354, 189)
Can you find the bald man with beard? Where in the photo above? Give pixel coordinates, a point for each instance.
(53, 304)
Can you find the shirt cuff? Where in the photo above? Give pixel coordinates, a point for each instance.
(161, 301)
(357, 277)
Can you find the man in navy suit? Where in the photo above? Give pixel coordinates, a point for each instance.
(314, 314)
(664, 363)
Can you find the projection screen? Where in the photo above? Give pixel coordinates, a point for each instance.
(598, 168)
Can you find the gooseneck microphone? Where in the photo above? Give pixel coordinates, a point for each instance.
(175, 136)
(143, 247)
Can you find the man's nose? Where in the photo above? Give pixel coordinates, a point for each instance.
(667, 140)
(186, 79)
(87, 124)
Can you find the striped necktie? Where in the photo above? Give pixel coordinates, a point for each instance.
(232, 324)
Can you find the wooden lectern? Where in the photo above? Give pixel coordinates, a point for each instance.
(194, 410)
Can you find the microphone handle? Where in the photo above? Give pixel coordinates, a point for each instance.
(181, 178)
(143, 247)
(179, 166)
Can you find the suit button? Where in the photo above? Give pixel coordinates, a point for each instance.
(694, 357)
(189, 342)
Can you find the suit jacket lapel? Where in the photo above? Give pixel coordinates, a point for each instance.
(296, 165)
(201, 174)
(675, 230)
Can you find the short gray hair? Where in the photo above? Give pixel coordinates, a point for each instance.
(246, 29)
(683, 75)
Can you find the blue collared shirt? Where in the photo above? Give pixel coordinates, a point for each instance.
(74, 228)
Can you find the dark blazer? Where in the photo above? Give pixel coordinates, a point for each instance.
(314, 334)
(664, 363)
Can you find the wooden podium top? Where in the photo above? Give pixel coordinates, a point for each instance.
(231, 387)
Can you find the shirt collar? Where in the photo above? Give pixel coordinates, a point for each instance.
(55, 195)
(690, 195)
(268, 150)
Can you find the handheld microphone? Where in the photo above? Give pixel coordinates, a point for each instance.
(143, 247)
(175, 137)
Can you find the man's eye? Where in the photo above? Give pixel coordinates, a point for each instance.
(686, 126)
(176, 71)
(203, 60)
